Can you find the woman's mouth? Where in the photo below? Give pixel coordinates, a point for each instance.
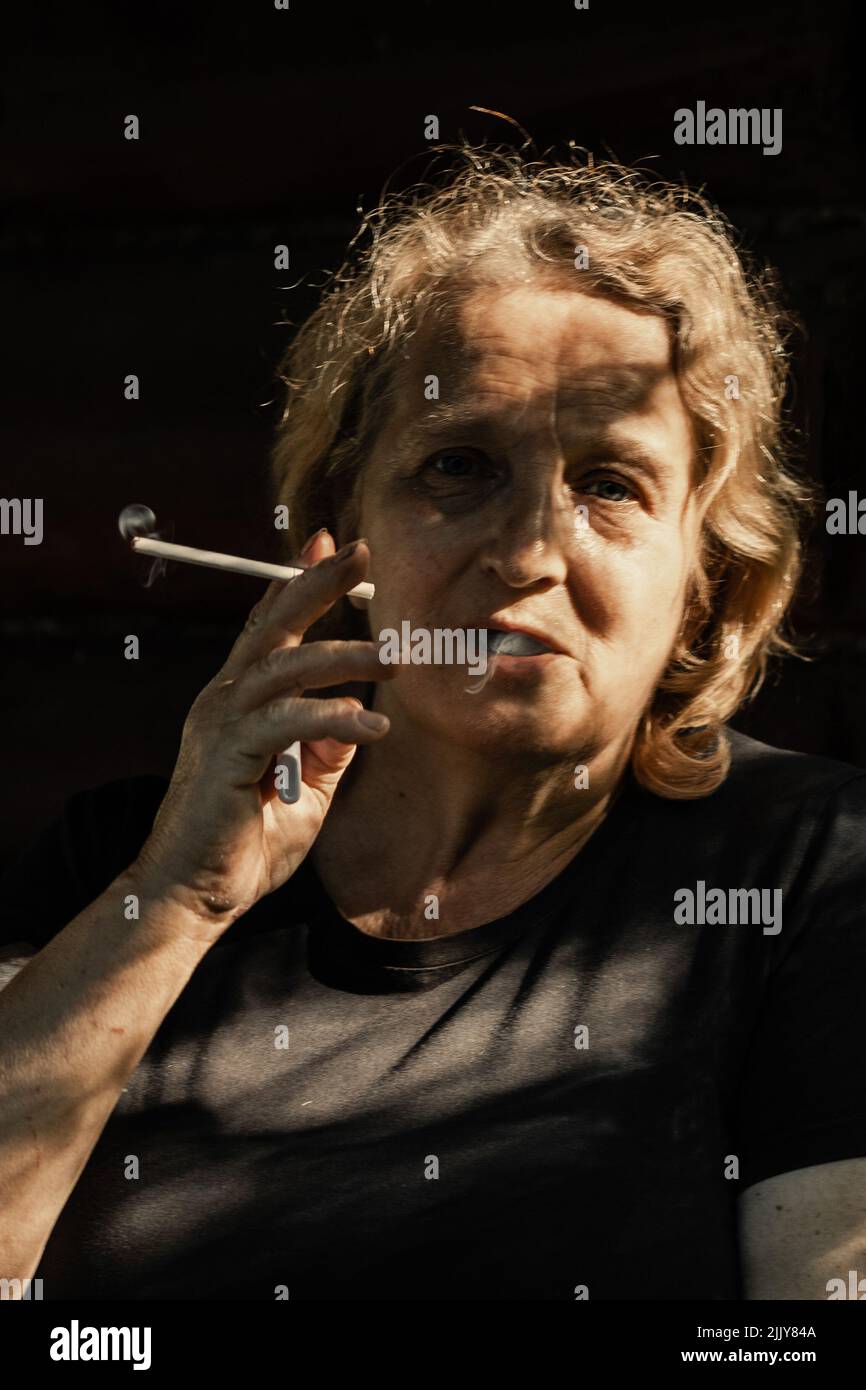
(501, 643)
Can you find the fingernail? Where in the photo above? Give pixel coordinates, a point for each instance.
(311, 542)
(348, 551)
(371, 720)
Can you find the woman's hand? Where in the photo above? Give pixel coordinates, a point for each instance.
(222, 838)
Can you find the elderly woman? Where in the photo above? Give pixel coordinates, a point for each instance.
(549, 986)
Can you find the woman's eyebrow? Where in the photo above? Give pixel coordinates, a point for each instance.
(595, 435)
(634, 453)
(446, 419)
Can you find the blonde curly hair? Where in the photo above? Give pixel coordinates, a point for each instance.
(655, 246)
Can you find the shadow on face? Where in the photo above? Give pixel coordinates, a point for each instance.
(534, 472)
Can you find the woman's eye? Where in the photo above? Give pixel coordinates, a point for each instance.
(609, 489)
(454, 465)
(453, 462)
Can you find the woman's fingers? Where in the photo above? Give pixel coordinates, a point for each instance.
(307, 598)
(281, 618)
(318, 547)
(312, 666)
(324, 761)
(268, 730)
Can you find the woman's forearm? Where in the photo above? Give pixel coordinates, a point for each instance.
(74, 1023)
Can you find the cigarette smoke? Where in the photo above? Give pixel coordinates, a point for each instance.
(502, 648)
(136, 520)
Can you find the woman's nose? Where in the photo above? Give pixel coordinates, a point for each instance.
(533, 541)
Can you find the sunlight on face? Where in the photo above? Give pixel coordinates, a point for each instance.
(549, 487)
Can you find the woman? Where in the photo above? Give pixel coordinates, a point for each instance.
(549, 984)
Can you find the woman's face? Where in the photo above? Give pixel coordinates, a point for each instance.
(548, 487)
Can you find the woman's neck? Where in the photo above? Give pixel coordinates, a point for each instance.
(415, 820)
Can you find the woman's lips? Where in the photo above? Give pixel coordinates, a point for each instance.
(511, 642)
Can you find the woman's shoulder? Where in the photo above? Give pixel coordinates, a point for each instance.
(779, 771)
(780, 819)
(804, 1077)
(768, 789)
(770, 797)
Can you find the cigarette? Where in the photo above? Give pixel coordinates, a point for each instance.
(236, 564)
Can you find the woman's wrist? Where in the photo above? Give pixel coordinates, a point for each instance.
(174, 909)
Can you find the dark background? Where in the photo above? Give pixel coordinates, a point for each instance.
(260, 127)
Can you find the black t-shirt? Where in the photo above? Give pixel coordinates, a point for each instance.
(571, 1097)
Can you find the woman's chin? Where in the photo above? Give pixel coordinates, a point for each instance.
(509, 727)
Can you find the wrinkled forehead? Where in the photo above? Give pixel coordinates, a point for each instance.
(529, 349)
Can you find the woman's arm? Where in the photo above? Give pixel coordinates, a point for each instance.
(77, 1018)
(799, 1231)
(74, 1023)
